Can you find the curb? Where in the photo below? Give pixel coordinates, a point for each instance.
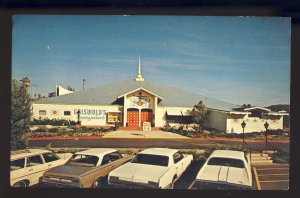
(152, 137)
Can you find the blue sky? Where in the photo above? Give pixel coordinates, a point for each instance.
(242, 60)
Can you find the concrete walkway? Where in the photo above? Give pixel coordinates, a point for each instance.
(143, 134)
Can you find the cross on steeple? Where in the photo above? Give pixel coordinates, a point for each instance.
(139, 77)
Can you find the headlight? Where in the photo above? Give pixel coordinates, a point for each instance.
(113, 178)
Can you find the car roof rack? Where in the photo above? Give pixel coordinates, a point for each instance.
(19, 152)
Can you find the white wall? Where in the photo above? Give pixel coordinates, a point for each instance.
(253, 124)
(90, 114)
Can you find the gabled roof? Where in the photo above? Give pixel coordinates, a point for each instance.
(106, 95)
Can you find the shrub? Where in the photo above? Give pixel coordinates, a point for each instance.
(54, 122)
(54, 130)
(281, 156)
(41, 129)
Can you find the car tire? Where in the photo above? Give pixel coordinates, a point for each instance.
(21, 184)
(173, 183)
(99, 183)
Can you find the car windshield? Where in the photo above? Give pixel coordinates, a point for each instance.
(83, 160)
(158, 160)
(219, 161)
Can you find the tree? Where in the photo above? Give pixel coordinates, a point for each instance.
(199, 114)
(20, 114)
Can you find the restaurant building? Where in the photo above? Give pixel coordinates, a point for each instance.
(135, 102)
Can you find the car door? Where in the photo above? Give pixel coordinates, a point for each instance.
(178, 161)
(17, 170)
(35, 168)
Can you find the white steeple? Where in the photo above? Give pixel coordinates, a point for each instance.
(139, 76)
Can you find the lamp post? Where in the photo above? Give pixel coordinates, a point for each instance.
(266, 133)
(78, 116)
(243, 126)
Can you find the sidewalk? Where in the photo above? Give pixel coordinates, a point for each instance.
(143, 134)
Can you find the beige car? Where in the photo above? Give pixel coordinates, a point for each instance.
(86, 169)
(27, 166)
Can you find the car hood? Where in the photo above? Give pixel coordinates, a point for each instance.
(141, 173)
(224, 174)
(67, 171)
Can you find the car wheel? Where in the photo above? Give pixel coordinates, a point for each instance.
(173, 183)
(99, 183)
(20, 184)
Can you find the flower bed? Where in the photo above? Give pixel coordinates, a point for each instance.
(60, 134)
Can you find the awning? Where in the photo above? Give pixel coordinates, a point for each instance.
(175, 112)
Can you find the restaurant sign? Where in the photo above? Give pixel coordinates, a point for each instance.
(91, 114)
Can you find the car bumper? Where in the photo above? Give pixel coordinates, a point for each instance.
(131, 185)
(61, 184)
(209, 185)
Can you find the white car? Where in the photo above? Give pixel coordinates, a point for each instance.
(27, 166)
(151, 168)
(225, 169)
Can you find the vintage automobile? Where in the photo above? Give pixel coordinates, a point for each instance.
(225, 169)
(151, 168)
(86, 169)
(27, 166)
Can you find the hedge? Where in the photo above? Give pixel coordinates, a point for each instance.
(53, 122)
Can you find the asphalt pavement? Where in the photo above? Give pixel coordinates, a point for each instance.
(272, 176)
(190, 143)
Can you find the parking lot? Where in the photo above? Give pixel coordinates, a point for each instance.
(272, 177)
(266, 177)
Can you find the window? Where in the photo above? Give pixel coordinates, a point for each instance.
(179, 119)
(219, 161)
(177, 157)
(17, 164)
(67, 113)
(105, 160)
(157, 160)
(42, 112)
(34, 160)
(257, 114)
(115, 156)
(49, 157)
(83, 160)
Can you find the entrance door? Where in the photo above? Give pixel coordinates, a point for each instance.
(146, 116)
(133, 117)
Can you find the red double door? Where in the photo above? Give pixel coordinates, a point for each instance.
(133, 118)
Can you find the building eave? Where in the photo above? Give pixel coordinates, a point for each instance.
(138, 89)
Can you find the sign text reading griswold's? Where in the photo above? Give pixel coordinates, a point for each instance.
(91, 114)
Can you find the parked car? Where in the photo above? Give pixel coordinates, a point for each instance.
(27, 166)
(151, 168)
(225, 169)
(86, 169)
